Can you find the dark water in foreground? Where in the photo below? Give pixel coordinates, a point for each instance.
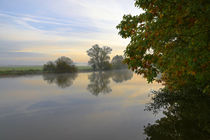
(83, 106)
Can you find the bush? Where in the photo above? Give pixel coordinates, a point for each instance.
(61, 65)
(49, 67)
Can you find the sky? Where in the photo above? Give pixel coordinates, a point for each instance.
(33, 32)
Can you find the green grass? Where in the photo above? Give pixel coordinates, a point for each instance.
(21, 70)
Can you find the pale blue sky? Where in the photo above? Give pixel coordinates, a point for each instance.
(35, 31)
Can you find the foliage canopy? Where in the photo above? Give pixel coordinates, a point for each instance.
(172, 38)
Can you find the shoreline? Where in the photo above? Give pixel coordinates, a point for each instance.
(32, 70)
(28, 71)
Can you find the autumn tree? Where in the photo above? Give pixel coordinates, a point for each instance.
(99, 57)
(170, 38)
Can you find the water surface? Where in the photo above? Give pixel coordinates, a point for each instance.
(83, 106)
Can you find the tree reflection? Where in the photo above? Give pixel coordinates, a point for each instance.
(61, 80)
(100, 81)
(120, 76)
(187, 116)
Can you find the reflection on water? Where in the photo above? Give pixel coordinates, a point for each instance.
(61, 80)
(121, 76)
(33, 109)
(99, 81)
(187, 116)
(30, 109)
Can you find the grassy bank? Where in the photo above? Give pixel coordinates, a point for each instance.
(20, 70)
(23, 70)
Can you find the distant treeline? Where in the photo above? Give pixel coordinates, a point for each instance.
(99, 61)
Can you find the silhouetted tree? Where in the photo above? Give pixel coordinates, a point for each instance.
(99, 57)
(117, 62)
(64, 65)
(61, 65)
(49, 67)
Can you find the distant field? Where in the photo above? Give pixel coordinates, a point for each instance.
(21, 70)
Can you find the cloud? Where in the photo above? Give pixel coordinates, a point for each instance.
(64, 27)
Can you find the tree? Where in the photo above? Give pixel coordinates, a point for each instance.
(49, 67)
(117, 62)
(61, 65)
(99, 57)
(172, 38)
(64, 64)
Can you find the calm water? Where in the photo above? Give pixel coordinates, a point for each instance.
(83, 106)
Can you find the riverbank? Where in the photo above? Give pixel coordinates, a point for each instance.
(27, 70)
